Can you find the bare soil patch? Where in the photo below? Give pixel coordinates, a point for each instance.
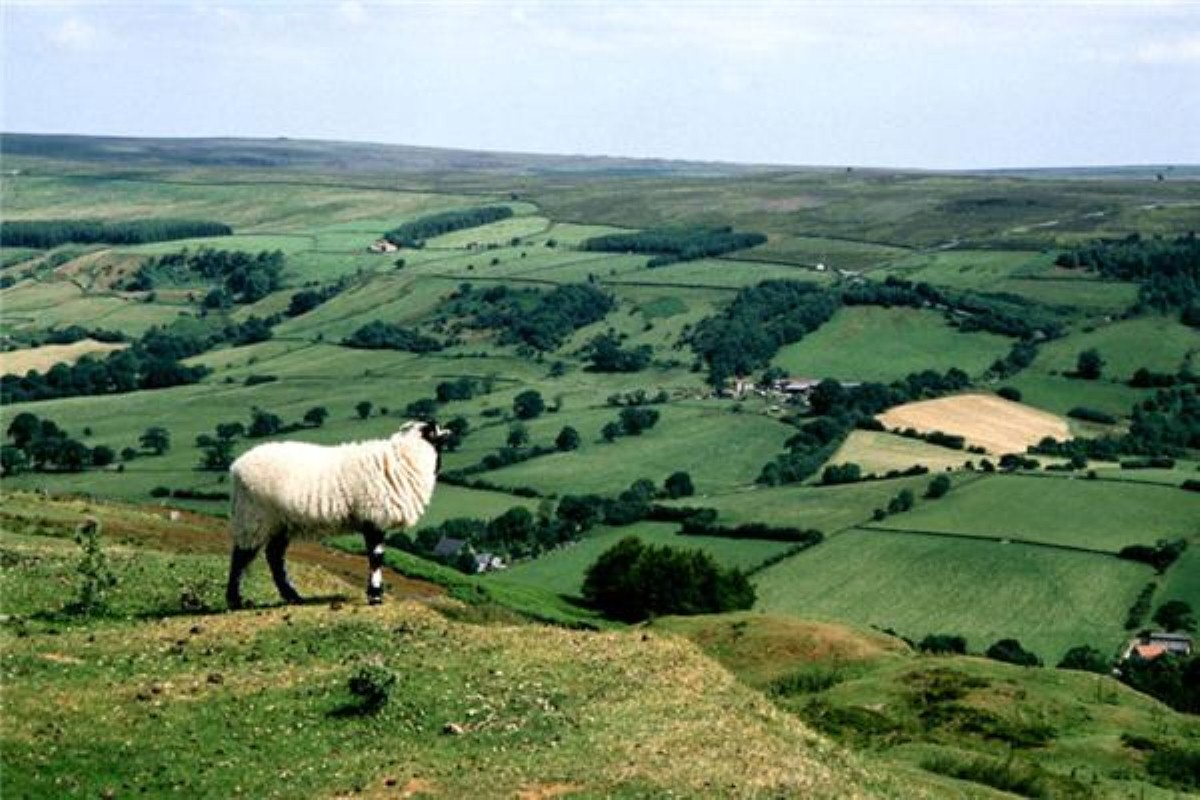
(999, 425)
(43, 358)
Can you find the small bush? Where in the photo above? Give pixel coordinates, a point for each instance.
(943, 643)
(1011, 651)
(1005, 776)
(94, 577)
(372, 684)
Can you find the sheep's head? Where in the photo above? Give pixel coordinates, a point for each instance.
(435, 434)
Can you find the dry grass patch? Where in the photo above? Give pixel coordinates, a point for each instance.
(999, 425)
(881, 452)
(43, 358)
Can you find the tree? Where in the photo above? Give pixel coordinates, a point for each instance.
(13, 460)
(217, 455)
(1089, 365)
(103, 455)
(363, 408)
(230, 430)
(263, 423)
(316, 416)
(24, 428)
(155, 439)
(943, 643)
(611, 431)
(518, 435)
(1085, 659)
(567, 439)
(1011, 651)
(632, 581)
(1175, 615)
(679, 484)
(458, 428)
(938, 487)
(902, 502)
(528, 405)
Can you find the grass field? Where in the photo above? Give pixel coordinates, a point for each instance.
(563, 570)
(695, 439)
(880, 452)
(1099, 515)
(916, 584)
(866, 343)
(992, 422)
(1159, 344)
(826, 508)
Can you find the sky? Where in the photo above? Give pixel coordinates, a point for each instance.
(930, 84)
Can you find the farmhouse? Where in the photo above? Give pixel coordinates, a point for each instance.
(1152, 645)
(382, 246)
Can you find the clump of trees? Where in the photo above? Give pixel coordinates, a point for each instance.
(379, 335)
(633, 581)
(1167, 271)
(47, 233)
(240, 277)
(1167, 424)
(539, 320)
(605, 354)
(306, 300)
(759, 321)
(671, 245)
(1160, 555)
(632, 421)
(40, 445)
(414, 234)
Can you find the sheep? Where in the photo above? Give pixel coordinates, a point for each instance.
(293, 490)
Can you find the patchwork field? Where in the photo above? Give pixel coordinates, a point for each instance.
(877, 344)
(917, 585)
(563, 570)
(1073, 512)
(44, 357)
(999, 425)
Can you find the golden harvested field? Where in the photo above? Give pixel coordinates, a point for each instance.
(999, 425)
(880, 452)
(43, 358)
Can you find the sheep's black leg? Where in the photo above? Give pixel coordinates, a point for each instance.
(238, 561)
(276, 550)
(373, 537)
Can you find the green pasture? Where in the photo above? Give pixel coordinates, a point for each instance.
(719, 449)
(1061, 394)
(827, 508)
(1071, 511)
(563, 570)
(1049, 599)
(878, 452)
(835, 254)
(868, 343)
(1160, 344)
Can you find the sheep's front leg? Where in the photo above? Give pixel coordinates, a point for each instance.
(276, 550)
(373, 537)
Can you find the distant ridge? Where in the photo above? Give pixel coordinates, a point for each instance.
(341, 156)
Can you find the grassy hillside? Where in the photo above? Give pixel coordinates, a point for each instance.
(1066, 733)
(153, 698)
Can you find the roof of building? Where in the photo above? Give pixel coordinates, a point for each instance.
(448, 547)
(1163, 636)
(1148, 652)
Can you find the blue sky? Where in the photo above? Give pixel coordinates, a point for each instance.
(933, 84)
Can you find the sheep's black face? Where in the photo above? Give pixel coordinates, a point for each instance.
(437, 436)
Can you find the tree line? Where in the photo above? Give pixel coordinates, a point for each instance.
(47, 233)
(672, 245)
(414, 234)
(1167, 271)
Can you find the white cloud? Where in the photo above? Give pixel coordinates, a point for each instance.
(352, 11)
(1177, 50)
(74, 33)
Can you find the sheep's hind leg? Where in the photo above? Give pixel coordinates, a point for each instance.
(373, 537)
(238, 561)
(276, 550)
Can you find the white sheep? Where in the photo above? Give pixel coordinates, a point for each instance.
(295, 490)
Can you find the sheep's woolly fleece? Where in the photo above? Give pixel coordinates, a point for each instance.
(310, 490)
